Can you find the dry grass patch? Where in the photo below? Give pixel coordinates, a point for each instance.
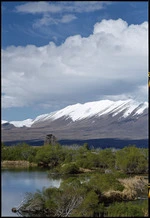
(133, 187)
(84, 170)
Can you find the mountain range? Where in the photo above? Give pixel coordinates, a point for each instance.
(105, 119)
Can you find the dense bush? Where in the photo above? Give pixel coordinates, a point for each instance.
(19, 152)
(132, 160)
(50, 155)
(128, 209)
(104, 182)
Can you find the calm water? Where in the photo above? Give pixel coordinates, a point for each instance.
(15, 183)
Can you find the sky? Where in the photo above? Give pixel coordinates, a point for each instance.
(59, 53)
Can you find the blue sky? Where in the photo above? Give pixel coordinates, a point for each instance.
(59, 53)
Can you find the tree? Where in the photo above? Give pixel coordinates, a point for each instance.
(86, 146)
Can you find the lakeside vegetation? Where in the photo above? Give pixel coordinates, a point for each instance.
(96, 182)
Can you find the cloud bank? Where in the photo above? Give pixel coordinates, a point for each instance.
(111, 62)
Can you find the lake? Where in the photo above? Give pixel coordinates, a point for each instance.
(16, 182)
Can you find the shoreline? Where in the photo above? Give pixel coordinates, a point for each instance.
(17, 163)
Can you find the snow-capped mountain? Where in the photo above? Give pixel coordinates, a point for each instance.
(87, 110)
(97, 108)
(98, 119)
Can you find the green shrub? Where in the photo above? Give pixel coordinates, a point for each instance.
(126, 209)
(132, 160)
(71, 168)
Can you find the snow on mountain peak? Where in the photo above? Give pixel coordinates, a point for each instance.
(98, 108)
(4, 121)
(27, 123)
(87, 110)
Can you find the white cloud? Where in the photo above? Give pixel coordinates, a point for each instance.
(66, 6)
(68, 18)
(47, 20)
(38, 7)
(111, 61)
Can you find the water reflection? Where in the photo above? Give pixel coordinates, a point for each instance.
(15, 183)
